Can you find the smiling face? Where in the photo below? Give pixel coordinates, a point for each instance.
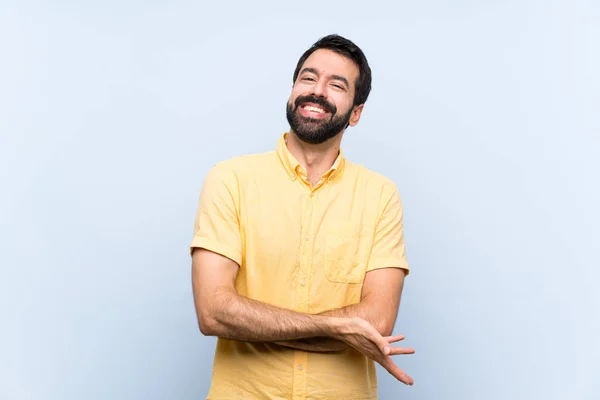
(322, 101)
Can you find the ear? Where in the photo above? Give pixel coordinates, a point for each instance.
(356, 113)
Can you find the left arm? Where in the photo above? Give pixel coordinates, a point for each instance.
(380, 300)
(379, 303)
(384, 280)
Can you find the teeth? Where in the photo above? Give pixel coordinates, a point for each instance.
(315, 109)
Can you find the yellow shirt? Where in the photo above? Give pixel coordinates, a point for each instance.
(300, 248)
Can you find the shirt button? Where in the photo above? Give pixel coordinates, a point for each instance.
(307, 238)
(299, 367)
(303, 283)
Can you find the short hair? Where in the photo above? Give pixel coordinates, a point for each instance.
(346, 48)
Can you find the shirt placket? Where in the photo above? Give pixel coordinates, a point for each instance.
(302, 297)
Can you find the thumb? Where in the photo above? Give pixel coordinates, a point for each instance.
(385, 347)
(380, 341)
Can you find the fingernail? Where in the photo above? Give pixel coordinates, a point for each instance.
(386, 350)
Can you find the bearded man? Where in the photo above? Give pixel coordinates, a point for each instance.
(298, 255)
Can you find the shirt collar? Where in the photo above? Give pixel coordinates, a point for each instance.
(295, 170)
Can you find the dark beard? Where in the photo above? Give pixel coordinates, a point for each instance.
(312, 130)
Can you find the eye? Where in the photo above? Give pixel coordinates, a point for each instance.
(308, 78)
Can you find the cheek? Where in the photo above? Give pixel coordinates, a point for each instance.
(292, 100)
(294, 95)
(342, 104)
(341, 100)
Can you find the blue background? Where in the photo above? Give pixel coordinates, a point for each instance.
(485, 114)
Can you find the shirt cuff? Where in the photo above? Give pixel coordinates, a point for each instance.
(388, 263)
(216, 247)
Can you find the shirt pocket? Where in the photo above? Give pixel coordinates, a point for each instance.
(346, 256)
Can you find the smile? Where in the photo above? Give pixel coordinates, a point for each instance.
(314, 109)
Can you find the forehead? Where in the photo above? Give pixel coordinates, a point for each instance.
(328, 62)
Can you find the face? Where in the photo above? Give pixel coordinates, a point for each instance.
(321, 104)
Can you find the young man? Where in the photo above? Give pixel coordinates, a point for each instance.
(298, 255)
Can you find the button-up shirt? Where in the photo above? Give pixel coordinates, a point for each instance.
(300, 247)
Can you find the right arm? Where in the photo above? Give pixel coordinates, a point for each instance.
(222, 312)
(216, 257)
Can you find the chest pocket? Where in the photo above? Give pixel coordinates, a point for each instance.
(346, 255)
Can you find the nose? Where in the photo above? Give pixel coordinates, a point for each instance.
(318, 89)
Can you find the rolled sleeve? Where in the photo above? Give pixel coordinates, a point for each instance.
(388, 250)
(217, 226)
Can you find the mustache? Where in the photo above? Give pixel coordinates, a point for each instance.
(331, 108)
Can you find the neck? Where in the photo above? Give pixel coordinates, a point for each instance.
(315, 158)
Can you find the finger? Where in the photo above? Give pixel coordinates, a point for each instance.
(401, 350)
(383, 345)
(396, 372)
(380, 341)
(393, 339)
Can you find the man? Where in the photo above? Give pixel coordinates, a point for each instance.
(298, 254)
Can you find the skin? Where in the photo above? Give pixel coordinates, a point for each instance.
(319, 76)
(366, 326)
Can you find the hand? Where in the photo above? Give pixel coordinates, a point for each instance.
(362, 336)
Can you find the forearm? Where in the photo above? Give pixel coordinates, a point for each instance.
(366, 311)
(327, 344)
(354, 310)
(239, 318)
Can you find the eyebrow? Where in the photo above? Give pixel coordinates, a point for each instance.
(336, 77)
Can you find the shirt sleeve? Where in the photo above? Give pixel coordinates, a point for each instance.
(388, 249)
(217, 226)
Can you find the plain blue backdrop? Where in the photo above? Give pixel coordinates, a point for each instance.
(484, 113)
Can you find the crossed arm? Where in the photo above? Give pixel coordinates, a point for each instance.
(365, 326)
(222, 312)
(380, 299)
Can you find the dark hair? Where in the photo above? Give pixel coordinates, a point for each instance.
(348, 49)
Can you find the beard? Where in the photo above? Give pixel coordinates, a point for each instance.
(316, 130)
